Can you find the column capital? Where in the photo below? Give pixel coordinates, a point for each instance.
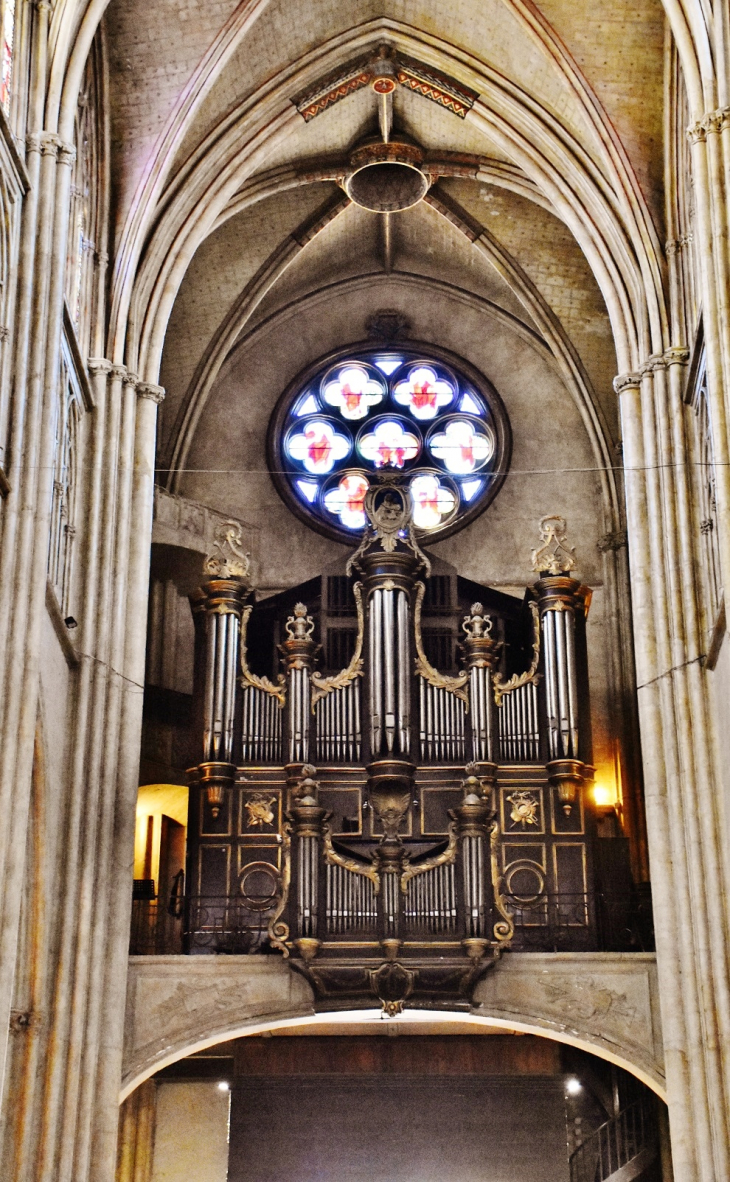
(626, 381)
(676, 355)
(118, 373)
(148, 390)
(97, 365)
(712, 123)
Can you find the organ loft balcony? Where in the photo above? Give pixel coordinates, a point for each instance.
(389, 773)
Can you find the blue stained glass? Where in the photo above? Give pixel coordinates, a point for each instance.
(310, 489)
(404, 414)
(469, 406)
(388, 364)
(470, 488)
(307, 407)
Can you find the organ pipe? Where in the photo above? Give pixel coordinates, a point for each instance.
(561, 601)
(299, 650)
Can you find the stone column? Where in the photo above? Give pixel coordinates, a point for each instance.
(136, 1145)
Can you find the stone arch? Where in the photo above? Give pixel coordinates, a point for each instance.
(604, 1003)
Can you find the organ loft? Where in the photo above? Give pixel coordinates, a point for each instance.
(396, 768)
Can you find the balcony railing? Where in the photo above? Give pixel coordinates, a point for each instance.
(583, 922)
(623, 1140)
(589, 922)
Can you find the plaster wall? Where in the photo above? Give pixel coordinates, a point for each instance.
(191, 1133)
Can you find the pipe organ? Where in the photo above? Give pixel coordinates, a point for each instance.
(399, 786)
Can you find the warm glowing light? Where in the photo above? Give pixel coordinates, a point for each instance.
(224, 1086)
(603, 796)
(573, 1087)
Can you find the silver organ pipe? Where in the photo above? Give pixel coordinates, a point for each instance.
(386, 641)
(298, 651)
(519, 736)
(222, 608)
(375, 631)
(442, 725)
(337, 725)
(558, 604)
(404, 673)
(430, 902)
(351, 904)
(389, 673)
(480, 656)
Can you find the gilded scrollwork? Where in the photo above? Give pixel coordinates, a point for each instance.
(424, 668)
(325, 685)
(364, 869)
(530, 675)
(410, 869)
(278, 930)
(276, 690)
(504, 928)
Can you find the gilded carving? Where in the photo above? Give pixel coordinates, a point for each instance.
(228, 560)
(277, 690)
(554, 556)
(259, 810)
(325, 685)
(524, 808)
(424, 668)
(531, 675)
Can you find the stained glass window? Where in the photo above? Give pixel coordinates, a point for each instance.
(389, 414)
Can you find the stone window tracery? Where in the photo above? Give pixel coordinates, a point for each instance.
(393, 413)
(69, 410)
(82, 230)
(6, 67)
(706, 489)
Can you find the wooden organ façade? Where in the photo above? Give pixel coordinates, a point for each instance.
(395, 760)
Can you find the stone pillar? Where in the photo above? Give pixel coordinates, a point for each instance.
(135, 1148)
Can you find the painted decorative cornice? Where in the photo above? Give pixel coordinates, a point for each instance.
(148, 390)
(626, 381)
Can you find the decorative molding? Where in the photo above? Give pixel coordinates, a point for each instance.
(676, 355)
(228, 559)
(626, 381)
(711, 124)
(387, 325)
(248, 678)
(333, 87)
(367, 69)
(436, 86)
(98, 365)
(613, 541)
(153, 393)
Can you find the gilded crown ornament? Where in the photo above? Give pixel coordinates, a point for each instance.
(554, 556)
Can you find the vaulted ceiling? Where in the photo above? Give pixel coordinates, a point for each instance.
(232, 127)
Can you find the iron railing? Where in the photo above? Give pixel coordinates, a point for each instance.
(615, 1144)
(587, 922)
(590, 921)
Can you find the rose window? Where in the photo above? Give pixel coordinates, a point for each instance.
(377, 415)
